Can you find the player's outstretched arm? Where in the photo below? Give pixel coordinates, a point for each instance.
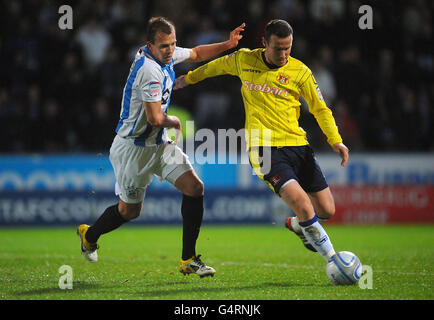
(342, 151)
(206, 52)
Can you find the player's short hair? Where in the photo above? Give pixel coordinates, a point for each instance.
(279, 28)
(156, 24)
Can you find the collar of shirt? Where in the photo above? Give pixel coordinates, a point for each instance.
(270, 65)
(146, 49)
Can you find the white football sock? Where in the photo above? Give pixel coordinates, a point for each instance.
(317, 237)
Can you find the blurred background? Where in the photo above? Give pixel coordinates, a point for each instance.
(60, 95)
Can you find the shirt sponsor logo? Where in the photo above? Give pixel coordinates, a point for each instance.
(265, 88)
(165, 96)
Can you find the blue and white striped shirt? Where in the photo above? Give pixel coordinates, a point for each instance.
(151, 81)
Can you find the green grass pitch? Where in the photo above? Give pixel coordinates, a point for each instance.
(254, 262)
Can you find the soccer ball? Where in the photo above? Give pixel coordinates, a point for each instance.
(344, 268)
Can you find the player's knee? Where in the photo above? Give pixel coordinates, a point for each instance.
(329, 211)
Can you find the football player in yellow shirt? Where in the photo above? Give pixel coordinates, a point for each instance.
(271, 84)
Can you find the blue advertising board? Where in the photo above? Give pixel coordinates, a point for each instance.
(87, 172)
(76, 207)
(91, 172)
(76, 188)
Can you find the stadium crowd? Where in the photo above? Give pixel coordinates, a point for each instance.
(60, 90)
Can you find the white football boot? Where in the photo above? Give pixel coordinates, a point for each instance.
(195, 265)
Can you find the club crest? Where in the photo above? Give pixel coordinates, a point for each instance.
(275, 180)
(282, 78)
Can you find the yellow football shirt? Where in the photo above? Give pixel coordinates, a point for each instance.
(271, 98)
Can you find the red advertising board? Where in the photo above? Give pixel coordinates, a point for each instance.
(383, 204)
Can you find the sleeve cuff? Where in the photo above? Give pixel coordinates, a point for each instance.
(334, 140)
(187, 78)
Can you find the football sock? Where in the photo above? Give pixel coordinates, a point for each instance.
(192, 213)
(321, 220)
(296, 227)
(317, 237)
(108, 221)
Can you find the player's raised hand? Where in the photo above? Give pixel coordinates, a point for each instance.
(180, 82)
(236, 36)
(342, 151)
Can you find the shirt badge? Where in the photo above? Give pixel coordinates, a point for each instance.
(319, 93)
(154, 89)
(275, 180)
(282, 78)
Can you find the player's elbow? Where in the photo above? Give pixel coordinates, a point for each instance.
(195, 55)
(156, 120)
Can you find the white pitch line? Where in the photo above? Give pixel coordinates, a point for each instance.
(281, 265)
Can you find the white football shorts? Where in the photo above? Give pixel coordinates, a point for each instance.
(135, 166)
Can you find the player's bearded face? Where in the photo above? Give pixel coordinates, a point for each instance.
(277, 50)
(163, 46)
